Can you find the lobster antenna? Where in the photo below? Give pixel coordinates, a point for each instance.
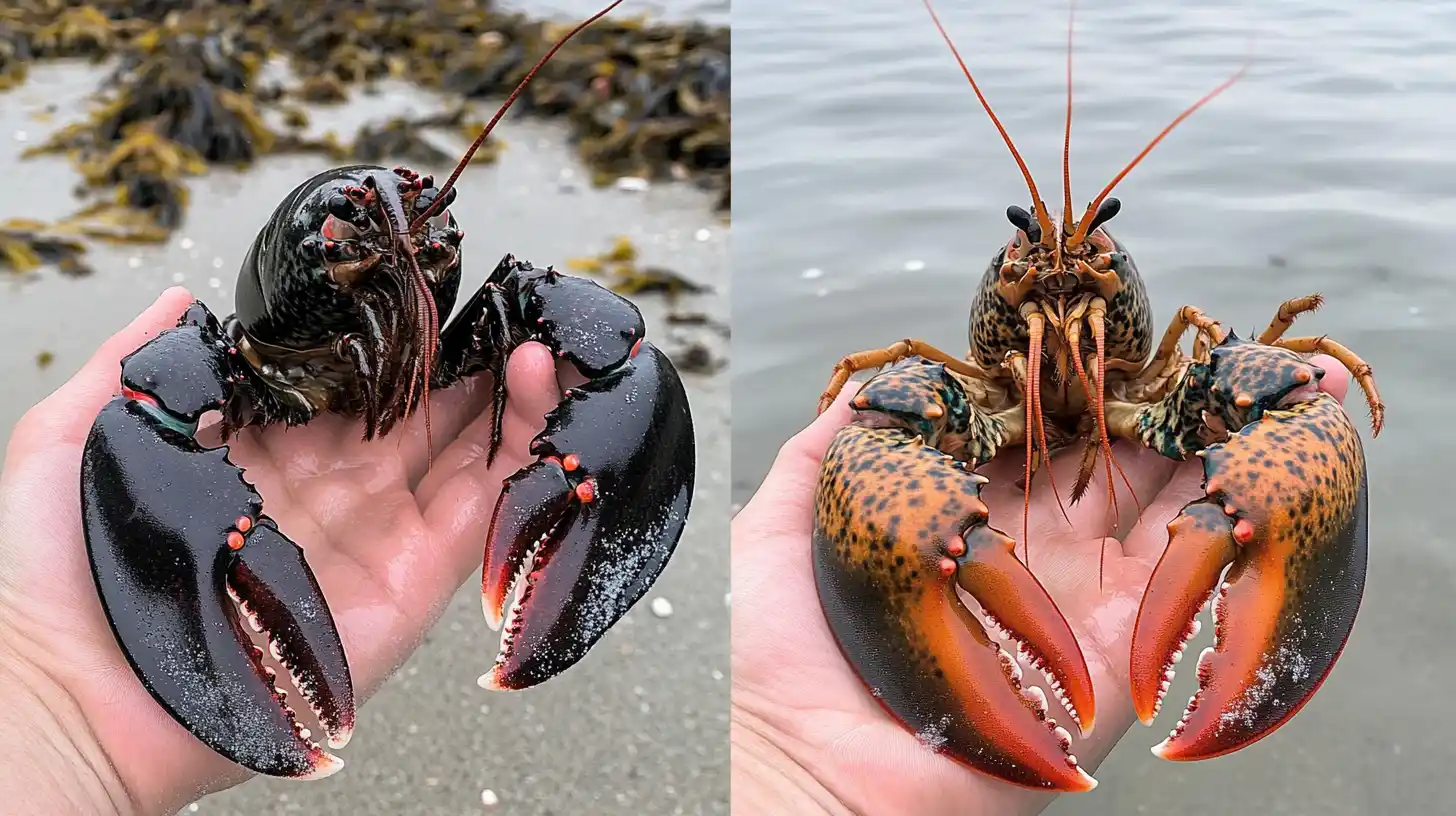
(510, 100)
(1086, 221)
(1067, 133)
(1041, 213)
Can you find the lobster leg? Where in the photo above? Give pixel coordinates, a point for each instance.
(580, 535)
(854, 363)
(899, 525)
(182, 553)
(1286, 512)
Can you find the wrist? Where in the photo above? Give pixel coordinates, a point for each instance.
(767, 778)
(49, 759)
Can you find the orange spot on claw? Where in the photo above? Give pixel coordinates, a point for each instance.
(586, 492)
(1229, 510)
(1243, 531)
(956, 546)
(947, 567)
(1303, 375)
(934, 411)
(636, 347)
(1243, 400)
(235, 540)
(571, 462)
(860, 401)
(244, 524)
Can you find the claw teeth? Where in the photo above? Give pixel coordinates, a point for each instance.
(517, 594)
(330, 764)
(1064, 737)
(1038, 700)
(1176, 656)
(1032, 659)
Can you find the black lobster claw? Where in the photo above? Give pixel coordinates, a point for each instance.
(182, 555)
(579, 536)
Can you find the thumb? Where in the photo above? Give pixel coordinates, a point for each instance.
(65, 416)
(783, 502)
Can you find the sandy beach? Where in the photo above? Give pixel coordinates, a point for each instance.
(640, 726)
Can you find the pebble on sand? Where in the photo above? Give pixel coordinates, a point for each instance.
(488, 798)
(662, 607)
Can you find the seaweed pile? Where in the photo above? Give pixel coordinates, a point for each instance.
(643, 100)
(27, 245)
(694, 338)
(626, 277)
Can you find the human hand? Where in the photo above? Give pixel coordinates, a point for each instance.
(807, 734)
(388, 542)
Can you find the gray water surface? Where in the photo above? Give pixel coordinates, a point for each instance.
(861, 152)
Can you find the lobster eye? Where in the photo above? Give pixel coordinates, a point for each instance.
(1105, 213)
(1021, 219)
(337, 229)
(440, 221)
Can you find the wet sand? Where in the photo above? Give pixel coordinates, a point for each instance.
(640, 726)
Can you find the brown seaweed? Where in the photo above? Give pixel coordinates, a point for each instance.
(26, 245)
(643, 99)
(619, 265)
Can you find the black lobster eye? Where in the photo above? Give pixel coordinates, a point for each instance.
(1109, 208)
(1022, 220)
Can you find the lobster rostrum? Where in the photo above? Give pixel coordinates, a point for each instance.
(1278, 541)
(339, 309)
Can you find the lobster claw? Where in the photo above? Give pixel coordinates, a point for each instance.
(898, 526)
(182, 554)
(1286, 507)
(580, 535)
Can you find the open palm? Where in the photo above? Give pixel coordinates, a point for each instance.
(793, 689)
(388, 537)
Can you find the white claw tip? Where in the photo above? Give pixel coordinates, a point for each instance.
(1087, 778)
(1161, 749)
(492, 618)
(327, 766)
(490, 681)
(341, 738)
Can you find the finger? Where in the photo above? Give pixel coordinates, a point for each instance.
(1150, 537)
(1146, 471)
(1336, 381)
(65, 416)
(451, 411)
(460, 506)
(783, 502)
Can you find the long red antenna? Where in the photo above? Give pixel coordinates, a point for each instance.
(1086, 220)
(510, 100)
(1041, 212)
(1067, 134)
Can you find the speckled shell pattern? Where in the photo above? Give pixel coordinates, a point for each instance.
(1286, 505)
(996, 328)
(898, 524)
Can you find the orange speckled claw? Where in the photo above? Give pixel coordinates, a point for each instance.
(898, 526)
(1287, 508)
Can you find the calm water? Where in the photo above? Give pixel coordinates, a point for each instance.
(861, 152)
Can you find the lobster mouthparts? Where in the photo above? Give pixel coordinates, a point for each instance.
(1286, 507)
(182, 556)
(898, 526)
(580, 535)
